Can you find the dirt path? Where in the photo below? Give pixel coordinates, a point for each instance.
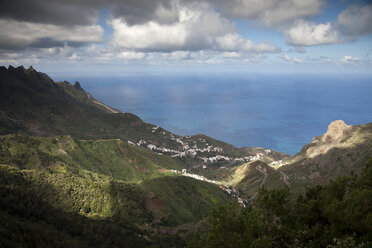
(285, 179)
(266, 175)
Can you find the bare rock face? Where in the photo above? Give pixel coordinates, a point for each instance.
(337, 131)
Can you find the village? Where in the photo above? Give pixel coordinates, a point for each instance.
(196, 152)
(185, 149)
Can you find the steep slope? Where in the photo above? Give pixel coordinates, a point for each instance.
(32, 104)
(258, 169)
(58, 195)
(112, 157)
(184, 199)
(250, 177)
(342, 149)
(71, 154)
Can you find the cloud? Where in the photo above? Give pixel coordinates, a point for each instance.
(355, 20)
(233, 42)
(57, 12)
(198, 27)
(271, 12)
(230, 55)
(347, 59)
(86, 12)
(20, 35)
(351, 23)
(130, 55)
(178, 55)
(141, 11)
(310, 34)
(287, 58)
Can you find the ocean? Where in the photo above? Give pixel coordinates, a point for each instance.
(278, 111)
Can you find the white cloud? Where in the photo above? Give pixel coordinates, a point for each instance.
(311, 34)
(14, 34)
(199, 27)
(232, 42)
(347, 59)
(287, 58)
(177, 55)
(271, 12)
(130, 55)
(230, 55)
(355, 20)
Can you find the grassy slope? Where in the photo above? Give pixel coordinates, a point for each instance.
(112, 158)
(82, 176)
(185, 199)
(247, 179)
(350, 155)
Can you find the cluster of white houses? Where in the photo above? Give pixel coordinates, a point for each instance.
(195, 176)
(194, 150)
(277, 163)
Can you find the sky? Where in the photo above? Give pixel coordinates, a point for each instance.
(98, 37)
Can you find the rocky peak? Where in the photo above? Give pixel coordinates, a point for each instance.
(336, 133)
(30, 69)
(337, 130)
(77, 86)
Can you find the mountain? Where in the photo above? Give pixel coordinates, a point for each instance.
(71, 167)
(75, 163)
(32, 104)
(342, 150)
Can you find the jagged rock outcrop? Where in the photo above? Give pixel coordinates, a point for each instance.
(337, 132)
(77, 86)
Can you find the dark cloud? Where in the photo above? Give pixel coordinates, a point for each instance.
(355, 20)
(86, 12)
(50, 42)
(57, 12)
(141, 11)
(15, 35)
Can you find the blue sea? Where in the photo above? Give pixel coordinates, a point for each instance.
(282, 112)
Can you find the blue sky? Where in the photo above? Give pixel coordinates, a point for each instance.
(112, 37)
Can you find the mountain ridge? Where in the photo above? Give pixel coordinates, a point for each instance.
(73, 153)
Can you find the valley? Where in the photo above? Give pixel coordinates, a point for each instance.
(70, 155)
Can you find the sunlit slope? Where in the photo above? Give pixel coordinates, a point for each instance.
(341, 150)
(112, 157)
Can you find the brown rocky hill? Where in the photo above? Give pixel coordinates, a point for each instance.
(342, 149)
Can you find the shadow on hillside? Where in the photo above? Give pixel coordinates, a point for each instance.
(28, 220)
(328, 166)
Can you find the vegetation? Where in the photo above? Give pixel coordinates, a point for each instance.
(71, 176)
(112, 158)
(185, 199)
(336, 215)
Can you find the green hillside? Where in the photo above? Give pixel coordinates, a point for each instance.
(32, 104)
(72, 167)
(112, 158)
(337, 214)
(185, 199)
(96, 182)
